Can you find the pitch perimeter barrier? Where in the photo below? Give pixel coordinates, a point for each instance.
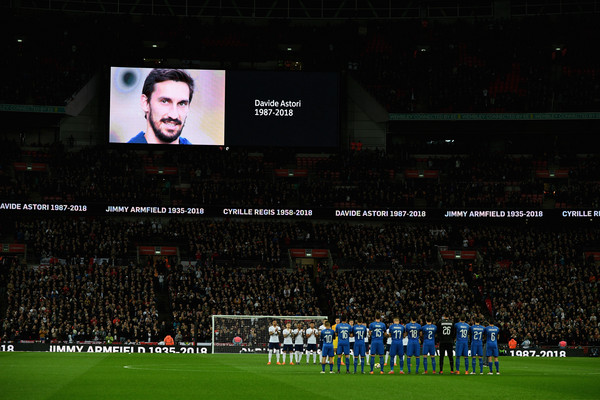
(205, 348)
(553, 352)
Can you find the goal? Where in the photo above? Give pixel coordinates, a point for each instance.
(250, 333)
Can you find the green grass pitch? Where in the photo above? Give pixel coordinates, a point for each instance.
(246, 376)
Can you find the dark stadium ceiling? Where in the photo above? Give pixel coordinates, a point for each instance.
(317, 9)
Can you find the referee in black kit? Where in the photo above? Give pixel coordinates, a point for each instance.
(446, 335)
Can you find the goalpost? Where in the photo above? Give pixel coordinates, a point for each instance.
(250, 333)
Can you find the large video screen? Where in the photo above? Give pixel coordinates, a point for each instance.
(167, 106)
(217, 107)
(282, 109)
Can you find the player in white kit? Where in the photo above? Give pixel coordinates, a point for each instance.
(388, 345)
(274, 345)
(298, 335)
(288, 343)
(311, 343)
(351, 340)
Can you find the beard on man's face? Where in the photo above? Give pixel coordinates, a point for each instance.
(166, 136)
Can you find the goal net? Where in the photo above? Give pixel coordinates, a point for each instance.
(250, 333)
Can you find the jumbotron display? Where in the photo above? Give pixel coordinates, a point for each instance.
(299, 109)
(217, 107)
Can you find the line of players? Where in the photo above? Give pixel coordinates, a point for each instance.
(335, 342)
(293, 342)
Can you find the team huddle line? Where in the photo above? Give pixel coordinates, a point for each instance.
(412, 339)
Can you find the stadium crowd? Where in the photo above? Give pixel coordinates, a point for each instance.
(196, 293)
(367, 179)
(480, 66)
(80, 302)
(203, 241)
(369, 245)
(377, 267)
(440, 291)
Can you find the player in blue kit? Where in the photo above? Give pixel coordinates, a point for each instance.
(396, 332)
(413, 330)
(327, 335)
(429, 331)
(377, 331)
(491, 346)
(462, 343)
(477, 346)
(343, 331)
(359, 332)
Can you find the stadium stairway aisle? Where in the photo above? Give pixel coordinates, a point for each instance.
(473, 280)
(323, 298)
(164, 308)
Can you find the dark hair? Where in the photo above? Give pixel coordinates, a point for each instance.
(161, 75)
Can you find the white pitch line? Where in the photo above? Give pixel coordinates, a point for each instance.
(163, 368)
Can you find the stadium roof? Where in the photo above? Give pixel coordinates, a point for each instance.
(319, 9)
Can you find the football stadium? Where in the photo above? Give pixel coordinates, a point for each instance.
(300, 199)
